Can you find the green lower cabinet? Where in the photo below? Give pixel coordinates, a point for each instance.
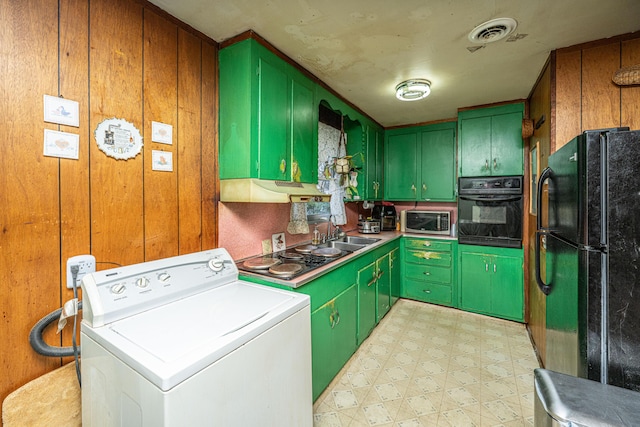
(395, 273)
(333, 337)
(429, 270)
(383, 289)
(492, 281)
(367, 278)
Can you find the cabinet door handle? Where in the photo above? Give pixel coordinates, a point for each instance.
(494, 268)
(486, 267)
(334, 318)
(495, 163)
(380, 274)
(424, 187)
(426, 273)
(486, 164)
(413, 187)
(372, 281)
(427, 243)
(426, 291)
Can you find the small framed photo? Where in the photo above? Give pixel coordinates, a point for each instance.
(61, 111)
(162, 161)
(162, 133)
(61, 144)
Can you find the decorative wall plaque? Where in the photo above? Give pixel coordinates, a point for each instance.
(118, 138)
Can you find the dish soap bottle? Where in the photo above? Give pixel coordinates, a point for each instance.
(316, 236)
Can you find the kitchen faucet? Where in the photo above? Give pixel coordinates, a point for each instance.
(330, 234)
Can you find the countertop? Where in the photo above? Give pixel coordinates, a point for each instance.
(384, 236)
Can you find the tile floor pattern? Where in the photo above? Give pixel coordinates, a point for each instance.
(426, 365)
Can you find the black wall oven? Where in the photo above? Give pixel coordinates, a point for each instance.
(490, 211)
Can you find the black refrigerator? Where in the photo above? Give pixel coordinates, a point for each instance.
(592, 240)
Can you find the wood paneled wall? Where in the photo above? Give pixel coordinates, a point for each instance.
(117, 58)
(576, 90)
(583, 94)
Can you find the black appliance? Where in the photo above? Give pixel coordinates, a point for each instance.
(490, 211)
(592, 257)
(386, 214)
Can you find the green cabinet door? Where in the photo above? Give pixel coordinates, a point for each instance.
(506, 144)
(367, 278)
(401, 162)
(395, 273)
(475, 146)
(374, 163)
(438, 168)
(383, 289)
(272, 125)
(333, 338)
(304, 129)
(475, 282)
(507, 292)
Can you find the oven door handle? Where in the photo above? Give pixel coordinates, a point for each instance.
(491, 199)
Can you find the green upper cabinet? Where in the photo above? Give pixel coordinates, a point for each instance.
(420, 163)
(490, 141)
(365, 143)
(268, 116)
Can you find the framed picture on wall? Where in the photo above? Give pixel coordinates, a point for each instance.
(534, 162)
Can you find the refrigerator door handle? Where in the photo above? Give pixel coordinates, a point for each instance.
(545, 175)
(544, 287)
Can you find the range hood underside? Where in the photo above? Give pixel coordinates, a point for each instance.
(262, 191)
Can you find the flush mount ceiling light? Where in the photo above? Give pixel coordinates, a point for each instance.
(413, 90)
(493, 30)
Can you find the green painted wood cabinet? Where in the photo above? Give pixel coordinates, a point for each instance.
(420, 163)
(492, 281)
(333, 328)
(395, 273)
(429, 267)
(268, 116)
(365, 144)
(490, 141)
(374, 289)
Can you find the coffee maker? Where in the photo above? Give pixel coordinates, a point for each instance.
(386, 214)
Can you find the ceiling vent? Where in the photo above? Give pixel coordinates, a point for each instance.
(493, 30)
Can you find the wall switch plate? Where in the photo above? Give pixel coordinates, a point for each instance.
(86, 264)
(266, 246)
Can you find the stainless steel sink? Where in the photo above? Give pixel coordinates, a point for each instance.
(355, 240)
(344, 246)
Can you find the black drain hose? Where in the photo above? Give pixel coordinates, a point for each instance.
(37, 341)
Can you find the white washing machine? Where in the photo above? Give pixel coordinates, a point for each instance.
(182, 342)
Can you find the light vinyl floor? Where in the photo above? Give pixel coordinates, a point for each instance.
(426, 365)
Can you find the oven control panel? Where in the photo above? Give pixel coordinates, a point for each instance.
(110, 295)
(491, 185)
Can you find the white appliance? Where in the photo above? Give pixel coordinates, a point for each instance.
(181, 341)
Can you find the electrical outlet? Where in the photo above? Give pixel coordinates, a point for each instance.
(86, 264)
(266, 246)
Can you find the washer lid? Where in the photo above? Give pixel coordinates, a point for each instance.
(173, 342)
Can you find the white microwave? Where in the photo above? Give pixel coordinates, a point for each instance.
(427, 222)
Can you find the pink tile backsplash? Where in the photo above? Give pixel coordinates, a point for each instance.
(243, 226)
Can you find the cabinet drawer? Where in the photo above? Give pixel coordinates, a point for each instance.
(427, 292)
(428, 273)
(429, 244)
(442, 259)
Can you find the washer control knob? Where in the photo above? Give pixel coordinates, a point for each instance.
(163, 277)
(216, 264)
(118, 288)
(142, 282)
